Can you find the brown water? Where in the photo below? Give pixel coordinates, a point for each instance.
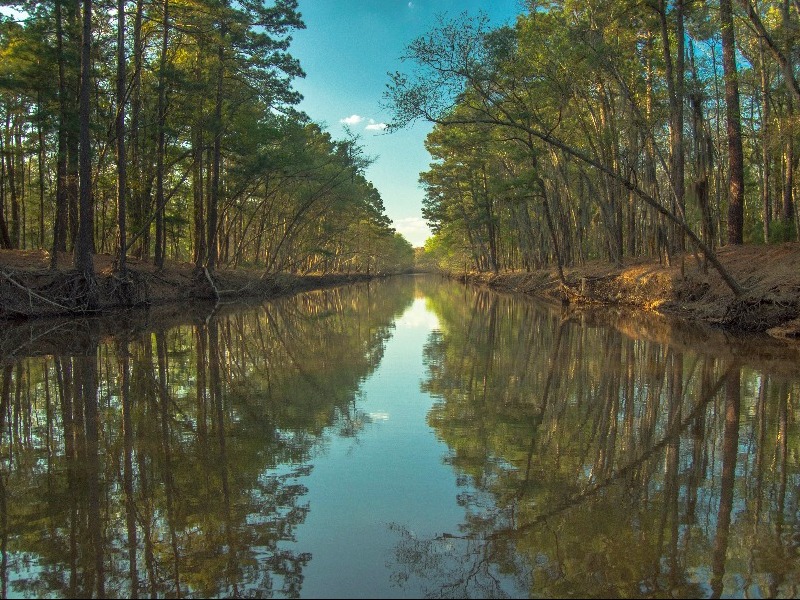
(406, 438)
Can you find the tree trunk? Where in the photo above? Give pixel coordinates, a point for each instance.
(213, 200)
(161, 244)
(765, 140)
(5, 238)
(790, 37)
(734, 126)
(789, 158)
(197, 192)
(122, 174)
(675, 92)
(42, 157)
(72, 62)
(83, 259)
(197, 178)
(553, 234)
(678, 161)
(703, 152)
(137, 210)
(11, 175)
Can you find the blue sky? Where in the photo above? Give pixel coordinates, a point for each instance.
(346, 50)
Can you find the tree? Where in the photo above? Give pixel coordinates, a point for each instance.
(468, 76)
(734, 127)
(122, 175)
(84, 244)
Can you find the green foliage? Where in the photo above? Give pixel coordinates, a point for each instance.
(572, 111)
(288, 196)
(782, 231)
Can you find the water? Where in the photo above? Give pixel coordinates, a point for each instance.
(404, 438)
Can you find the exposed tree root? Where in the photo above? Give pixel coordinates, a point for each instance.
(759, 313)
(75, 290)
(68, 293)
(128, 289)
(31, 294)
(203, 284)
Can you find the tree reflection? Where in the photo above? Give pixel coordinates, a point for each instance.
(168, 460)
(593, 463)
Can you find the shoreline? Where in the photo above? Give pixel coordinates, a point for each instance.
(29, 289)
(770, 274)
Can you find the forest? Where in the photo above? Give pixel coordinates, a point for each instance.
(168, 130)
(584, 131)
(606, 130)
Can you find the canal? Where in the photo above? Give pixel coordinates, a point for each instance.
(406, 437)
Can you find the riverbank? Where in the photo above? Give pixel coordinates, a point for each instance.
(29, 288)
(769, 274)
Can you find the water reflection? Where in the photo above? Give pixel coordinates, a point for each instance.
(168, 461)
(578, 454)
(593, 463)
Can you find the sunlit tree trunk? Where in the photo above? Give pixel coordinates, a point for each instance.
(5, 238)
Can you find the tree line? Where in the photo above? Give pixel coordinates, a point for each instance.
(606, 130)
(168, 129)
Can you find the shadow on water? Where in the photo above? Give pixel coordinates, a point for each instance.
(602, 454)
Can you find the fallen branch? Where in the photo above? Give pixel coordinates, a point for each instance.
(211, 283)
(31, 293)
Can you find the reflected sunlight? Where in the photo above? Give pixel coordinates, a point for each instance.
(418, 316)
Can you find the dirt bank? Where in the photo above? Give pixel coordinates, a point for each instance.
(769, 274)
(29, 288)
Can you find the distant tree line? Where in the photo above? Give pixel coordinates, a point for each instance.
(607, 130)
(163, 130)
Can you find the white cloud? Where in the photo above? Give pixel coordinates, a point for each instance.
(373, 126)
(378, 416)
(414, 229)
(419, 317)
(410, 5)
(352, 120)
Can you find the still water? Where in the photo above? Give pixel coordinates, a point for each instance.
(403, 438)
